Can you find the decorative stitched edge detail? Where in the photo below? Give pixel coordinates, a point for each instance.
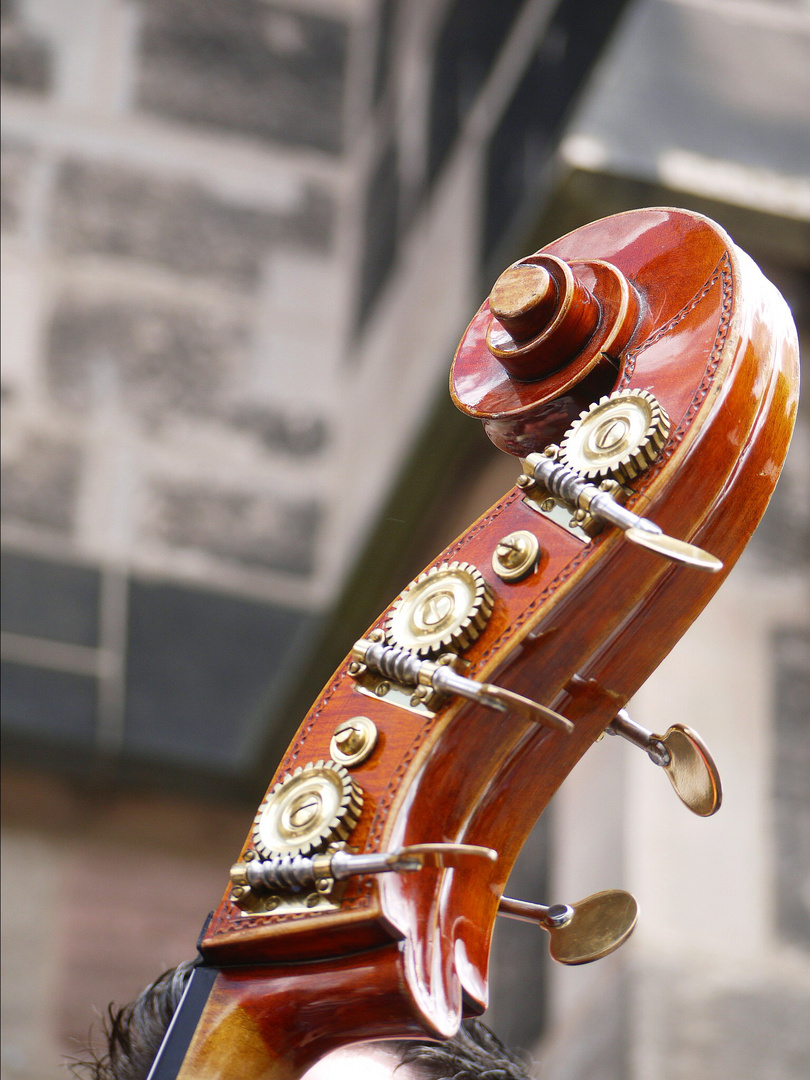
(721, 272)
(723, 269)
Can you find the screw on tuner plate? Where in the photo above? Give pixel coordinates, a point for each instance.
(683, 755)
(582, 932)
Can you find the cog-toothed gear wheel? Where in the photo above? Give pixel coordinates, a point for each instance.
(307, 810)
(444, 608)
(619, 436)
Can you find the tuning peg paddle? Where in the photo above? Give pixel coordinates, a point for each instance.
(671, 548)
(496, 697)
(685, 758)
(583, 932)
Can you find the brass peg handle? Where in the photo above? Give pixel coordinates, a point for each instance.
(583, 932)
(684, 757)
(406, 668)
(692, 771)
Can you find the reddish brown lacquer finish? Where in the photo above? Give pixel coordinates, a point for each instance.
(406, 953)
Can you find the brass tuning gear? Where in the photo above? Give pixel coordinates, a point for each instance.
(582, 932)
(445, 608)
(618, 437)
(685, 758)
(317, 805)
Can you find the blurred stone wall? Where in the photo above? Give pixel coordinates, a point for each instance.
(223, 326)
(210, 385)
(175, 290)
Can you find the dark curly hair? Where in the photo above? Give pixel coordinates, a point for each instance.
(135, 1032)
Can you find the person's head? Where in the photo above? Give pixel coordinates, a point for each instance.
(135, 1032)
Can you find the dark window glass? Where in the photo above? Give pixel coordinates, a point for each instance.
(55, 706)
(49, 600)
(380, 231)
(533, 121)
(201, 666)
(386, 20)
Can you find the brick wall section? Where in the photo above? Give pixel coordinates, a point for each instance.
(17, 158)
(40, 482)
(160, 359)
(26, 58)
(149, 279)
(101, 893)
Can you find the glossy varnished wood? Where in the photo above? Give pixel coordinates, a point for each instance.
(260, 1025)
(715, 344)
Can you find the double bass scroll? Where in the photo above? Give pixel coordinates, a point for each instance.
(645, 374)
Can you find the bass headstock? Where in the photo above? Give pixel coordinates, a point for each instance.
(644, 372)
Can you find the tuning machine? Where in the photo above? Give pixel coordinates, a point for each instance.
(583, 932)
(406, 669)
(316, 875)
(599, 505)
(683, 755)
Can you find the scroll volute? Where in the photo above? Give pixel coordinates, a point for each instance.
(677, 312)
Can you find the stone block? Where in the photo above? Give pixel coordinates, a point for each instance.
(26, 60)
(295, 435)
(519, 961)
(782, 540)
(254, 68)
(256, 529)
(200, 665)
(157, 359)
(791, 656)
(16, 159)
(51, 600)
(114, 211)
(759, 1032)
(791, 821)
(40, 483)
(596, 1041)
(791, 784)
